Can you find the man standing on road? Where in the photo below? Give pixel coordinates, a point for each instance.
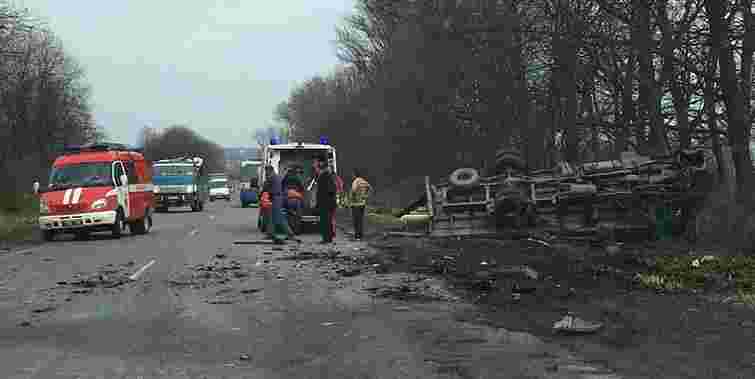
(326, 200)
(360, 191)
(279, 224)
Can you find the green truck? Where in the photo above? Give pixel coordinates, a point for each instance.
(180, 182)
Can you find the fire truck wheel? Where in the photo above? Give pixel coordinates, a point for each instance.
(143, 225)
(48, 235)
(464, 177)
(119, 226)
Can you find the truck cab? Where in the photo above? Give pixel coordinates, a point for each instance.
(220, 187)
(281, 156)
(97, 187)
(180, 182)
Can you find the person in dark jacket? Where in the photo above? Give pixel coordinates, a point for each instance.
(326, 200)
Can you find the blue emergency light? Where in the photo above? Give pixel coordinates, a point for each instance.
(274, 141)
(323, 140)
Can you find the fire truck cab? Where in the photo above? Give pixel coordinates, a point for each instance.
(98, 187)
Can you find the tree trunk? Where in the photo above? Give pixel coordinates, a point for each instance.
(649, 92)
(627, 105)
(735, 99)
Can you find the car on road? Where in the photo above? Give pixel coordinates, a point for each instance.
(97, 187)
(180, 182)
(220, 189)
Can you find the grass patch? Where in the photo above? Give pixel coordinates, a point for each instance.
(701, 272)
(18, 215)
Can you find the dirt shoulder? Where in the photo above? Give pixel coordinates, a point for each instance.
(704, 333)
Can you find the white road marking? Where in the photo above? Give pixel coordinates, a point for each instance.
(139, 272)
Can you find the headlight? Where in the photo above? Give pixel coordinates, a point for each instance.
(99, 204)
(43, 208)
(189, 189)
(156, 189)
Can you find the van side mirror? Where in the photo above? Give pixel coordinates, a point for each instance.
(35, 188)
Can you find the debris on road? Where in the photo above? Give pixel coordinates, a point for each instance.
(44, 309)
(328, 323)
(572, 324)
(24, 324)
(48, 259)
(251, 290)
(211, 274)
(245, 357)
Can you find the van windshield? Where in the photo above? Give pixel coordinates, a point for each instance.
(218, 183)
(172, 170)
(89, 174)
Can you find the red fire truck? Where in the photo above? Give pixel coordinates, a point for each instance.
(97, 187)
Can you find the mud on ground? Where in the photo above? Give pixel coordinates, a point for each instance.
(528, 285)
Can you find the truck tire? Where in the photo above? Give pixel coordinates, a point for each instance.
(143, 225)
(119, 225)
(464, 177)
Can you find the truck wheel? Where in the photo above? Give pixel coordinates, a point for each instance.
(143, 225)
(464, 177)
(48, 235)
(119, 226)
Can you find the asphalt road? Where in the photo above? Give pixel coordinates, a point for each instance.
(277, 319)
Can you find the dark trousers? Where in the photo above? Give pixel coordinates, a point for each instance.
(326, 224)
(357, 215)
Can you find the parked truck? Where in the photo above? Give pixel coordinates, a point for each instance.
(180, 182)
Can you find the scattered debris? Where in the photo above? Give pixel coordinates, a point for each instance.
(220, 301)
(254, 242)
(48, 259)
(245, 357)
(24, 324)
(44, 309)
(221, 256)
(328, 323)
(251, 290)
(402, 309)
(572, 324)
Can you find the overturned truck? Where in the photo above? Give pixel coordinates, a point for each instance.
(635, 193)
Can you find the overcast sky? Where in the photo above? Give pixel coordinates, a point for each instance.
(218, 65)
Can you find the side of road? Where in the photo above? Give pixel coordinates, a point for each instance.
(646, 333)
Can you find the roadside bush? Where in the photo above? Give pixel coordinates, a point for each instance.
(18, 203)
